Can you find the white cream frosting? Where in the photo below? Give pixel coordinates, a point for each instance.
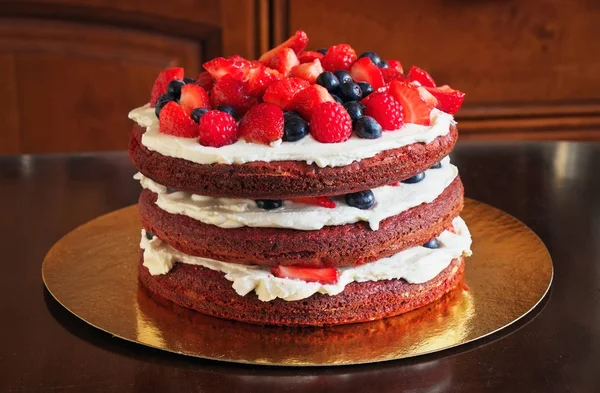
(416, 265)
(307, 149)
(236, 213)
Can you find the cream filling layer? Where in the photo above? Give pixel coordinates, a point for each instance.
(307, 149)
(416, 265)
(236, 213)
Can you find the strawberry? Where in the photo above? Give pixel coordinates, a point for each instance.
(421, 76)
(330, 123)
(396, 65)
(386, 110)
(324, 275)
(297, 43)
(415, 109)
(262, 124)
(235, 66)
(174, 121)
(339, 57)
(205, 80)
(308, 99)
(284, 60)
(449, 100)
(281, 93)
(308, 71)
(260, 78)
(230, 91)
(451, 229)
(216, 129)
(307, 56)
(192, 97)
(427, 97)
(383, 89)
(316, 201)
(392, 74)
(364, 70)
(162, 81)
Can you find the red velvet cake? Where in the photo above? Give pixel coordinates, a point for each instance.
(307, 188)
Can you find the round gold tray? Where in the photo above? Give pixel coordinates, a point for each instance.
(92, 272)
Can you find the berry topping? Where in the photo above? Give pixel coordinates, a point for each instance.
(330, 123)
(415, 179)
(269, 204)
(174, 121)
(365, 70)
(217, 129)
(383, 64)
(308, 56)
(375, 58)
(262, 124)
(350, 91)
(427, 96)
(308, 71)
(284, 60)
(235, 66)
(361, 200)
(205, 80)
(297, 43)
(230, 91)
(415, 109)
(368, 128)
(343, 76)
(187, 80)
(329, 81)
(365, 87)
(396, 65)
(432, 244)
(197, 114)
(337, 99)
(229, 110)
(162, 81)
(192, 97)
(391, 74)
(339, 57)
(260, 78)
(323, 275)
(437, 166)
(316, 201)
(281, 93)
(355, 109)
(161, 102)
(294, 128)
(307, 100)
(385, 110)
(449, 100)
(416, 74)
(323, 51)
(174, 88)
(149, 235)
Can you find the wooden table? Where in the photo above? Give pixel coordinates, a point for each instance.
(553, 187)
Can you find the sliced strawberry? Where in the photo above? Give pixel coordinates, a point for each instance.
(449, 100)
(281, 93)
(205, 80)
(396, 65)
(315, 201)
(383, 89)
(162, 81)
(297, 43)
(392, 74)
(308, 56)
(324, 275)
(192, 97)
(174, 121)
(235, 66)
(339, 57)
(260, 78)
(307, 100)
(232, 92)
(284, 60)
(415, 109)
(427, 96)
(262, 124)
(421, 76)
(364, 70)
(451, 228)
(308, 71)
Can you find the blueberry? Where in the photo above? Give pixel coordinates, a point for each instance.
(343, 76)
(415, 179)
(350, 91)
(437, 166)
(174, 88)
(337, 99)
(375, 58)
(269, 204)
(197, 114)
(171, 190)
(368, 128)
(187, 80)
(432, 244)
(362, 200)
(322, 50)
(329, 81)
(354, 109)
(149, 235)
(366, 88)
(162, 101)
(294, 128)
(228, 109)
(383, 64)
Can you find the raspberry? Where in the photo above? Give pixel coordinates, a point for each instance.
(262, 124)
(339, 57)
(330, 123)
(217, 129)
(386, 110)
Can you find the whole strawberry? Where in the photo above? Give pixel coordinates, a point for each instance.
(330, 123)
(338, 57)
(386, 110)
(217, 129)
(262, 124)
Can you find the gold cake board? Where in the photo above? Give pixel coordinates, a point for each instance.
(92, 272)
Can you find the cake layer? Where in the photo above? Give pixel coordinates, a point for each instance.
(288, 179)
(342, 245)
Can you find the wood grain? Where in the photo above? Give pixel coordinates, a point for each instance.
(10, 140)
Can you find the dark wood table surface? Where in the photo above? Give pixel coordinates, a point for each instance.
(552, 187)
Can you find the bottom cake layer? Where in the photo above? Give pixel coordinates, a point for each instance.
(209, 292)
